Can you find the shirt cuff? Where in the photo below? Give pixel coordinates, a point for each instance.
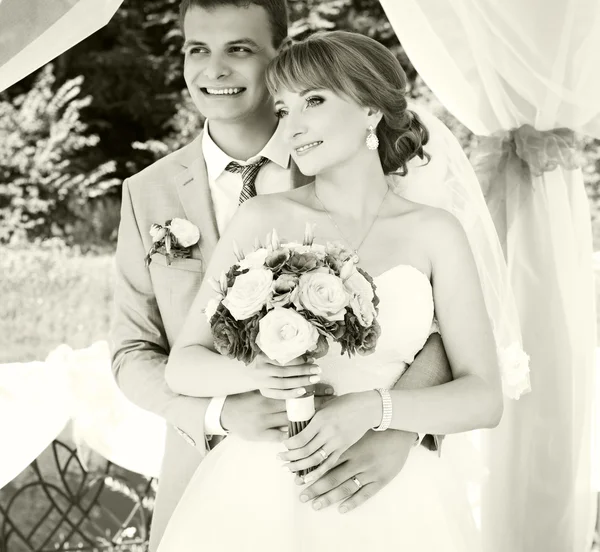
(212, 418)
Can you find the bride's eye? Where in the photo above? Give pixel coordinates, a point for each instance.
(313, 101)
(280, 113)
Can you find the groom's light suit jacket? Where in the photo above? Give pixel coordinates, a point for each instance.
(151, 303)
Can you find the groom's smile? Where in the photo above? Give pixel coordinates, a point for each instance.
(222, 92)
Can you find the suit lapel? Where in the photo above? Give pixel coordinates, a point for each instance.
(194, 194)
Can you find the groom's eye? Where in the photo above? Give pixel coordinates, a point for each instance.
(240, 50)
(195, 50)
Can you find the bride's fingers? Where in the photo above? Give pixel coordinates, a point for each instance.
(291, 382)
(323, 468)
(315, 459)
(263, 359)
(282, 394)
(286, 372)
(305, 436)
(304, 452)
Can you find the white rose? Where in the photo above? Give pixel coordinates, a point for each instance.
(211, 307)
(284, 335)
(361, 298)
(256, 259)
(157, 232)
(187, 234)
(323, 294)
(249, 293)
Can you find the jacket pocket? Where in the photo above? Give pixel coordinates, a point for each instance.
(191, 265)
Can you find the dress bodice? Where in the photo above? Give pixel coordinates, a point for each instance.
(406, 313)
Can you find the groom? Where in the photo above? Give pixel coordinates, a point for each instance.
(228, 45)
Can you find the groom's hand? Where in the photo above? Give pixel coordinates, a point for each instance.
(374, 460)
(254, 417)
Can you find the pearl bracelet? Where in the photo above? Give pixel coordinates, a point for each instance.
(386, 404)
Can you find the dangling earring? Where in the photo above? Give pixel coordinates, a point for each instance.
(372, 140)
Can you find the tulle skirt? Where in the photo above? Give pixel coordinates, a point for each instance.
(242, 499)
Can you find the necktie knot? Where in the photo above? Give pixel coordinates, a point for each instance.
(249, 173)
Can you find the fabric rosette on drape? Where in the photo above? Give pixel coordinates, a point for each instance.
(522, 76)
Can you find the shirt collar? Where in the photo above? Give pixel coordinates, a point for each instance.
(217, 160)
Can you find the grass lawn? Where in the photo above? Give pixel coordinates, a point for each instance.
(52, 295)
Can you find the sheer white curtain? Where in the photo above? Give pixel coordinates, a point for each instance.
(34, 32)
(38, 399)
(497, 67)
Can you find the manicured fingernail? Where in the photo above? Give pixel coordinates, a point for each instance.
(315, 370)
(314, 379)
(280, 457)
(303, 498)
(284, 429)
(309, 478)
(343, 510)
(286, 466)
(300, 391)
(317, 505)
(329, 391)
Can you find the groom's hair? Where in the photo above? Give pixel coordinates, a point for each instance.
(363, 70)
(276, 11)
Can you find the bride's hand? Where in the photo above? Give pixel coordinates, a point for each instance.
(332, 431)
(287, 381)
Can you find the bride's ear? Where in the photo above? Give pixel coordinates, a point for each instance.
(374, 116)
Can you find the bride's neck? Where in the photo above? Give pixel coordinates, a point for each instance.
(353, 190)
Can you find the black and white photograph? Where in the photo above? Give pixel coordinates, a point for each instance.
(299, 275)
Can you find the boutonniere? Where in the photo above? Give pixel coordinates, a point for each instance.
(174, 239)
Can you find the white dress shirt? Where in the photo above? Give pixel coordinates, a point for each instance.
(225, 188)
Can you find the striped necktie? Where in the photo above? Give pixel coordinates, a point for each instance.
(249, 174)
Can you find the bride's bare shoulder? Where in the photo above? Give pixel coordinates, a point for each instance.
(260, 214)
(430, 225)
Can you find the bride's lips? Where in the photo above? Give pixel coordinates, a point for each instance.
(305, 148)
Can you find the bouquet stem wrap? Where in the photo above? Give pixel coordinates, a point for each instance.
(299, 412)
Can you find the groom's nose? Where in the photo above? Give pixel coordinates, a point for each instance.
(216, 68)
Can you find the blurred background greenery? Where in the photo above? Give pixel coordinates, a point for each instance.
(102, 111)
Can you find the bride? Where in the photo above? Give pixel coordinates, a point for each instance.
(340, 97)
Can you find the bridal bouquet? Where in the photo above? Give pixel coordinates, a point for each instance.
(292, 299)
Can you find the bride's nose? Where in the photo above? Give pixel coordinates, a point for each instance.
(295, 132)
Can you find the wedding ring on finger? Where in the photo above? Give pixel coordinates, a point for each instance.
(358, 483)
(323, 454)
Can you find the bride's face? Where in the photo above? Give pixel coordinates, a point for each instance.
(323, 129)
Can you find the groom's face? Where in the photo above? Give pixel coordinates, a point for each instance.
(227, 50)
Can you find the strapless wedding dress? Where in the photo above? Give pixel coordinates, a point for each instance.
(242, 500)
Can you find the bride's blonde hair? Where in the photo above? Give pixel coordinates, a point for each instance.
(360, 68)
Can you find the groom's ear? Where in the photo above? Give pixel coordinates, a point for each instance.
(285, 44)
